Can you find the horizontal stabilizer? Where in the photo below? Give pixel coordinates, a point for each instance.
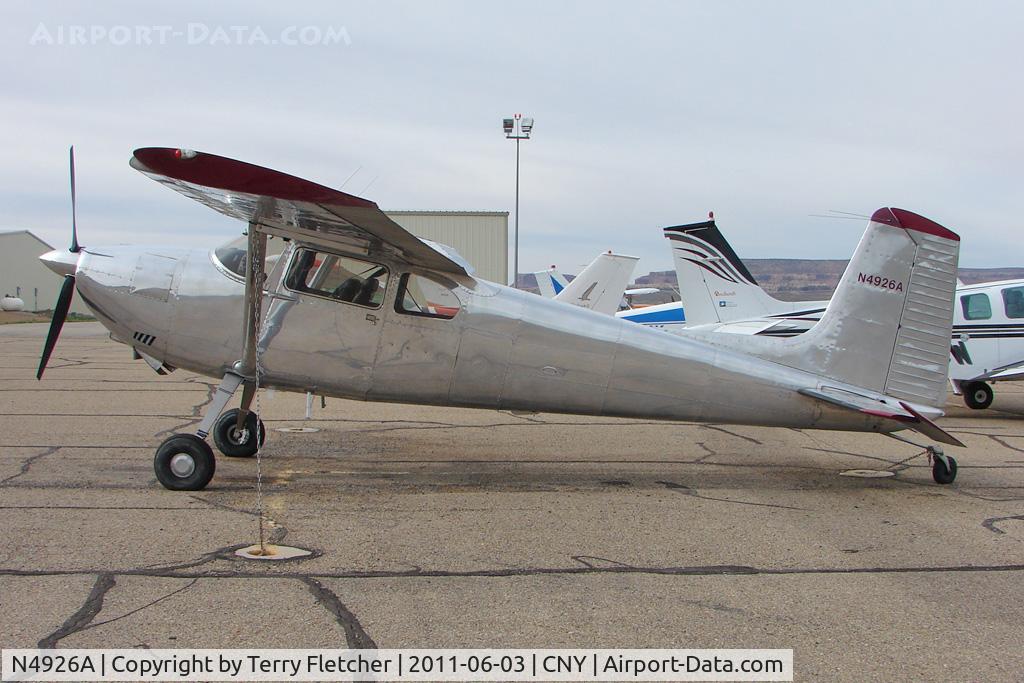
(888, 408)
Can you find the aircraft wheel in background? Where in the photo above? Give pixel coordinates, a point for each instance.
(977, 395)
(238, 443)
(184, 462)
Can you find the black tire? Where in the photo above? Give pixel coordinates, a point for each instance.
(977, 395)
(236, 443)
(940, 473)
(193, 471)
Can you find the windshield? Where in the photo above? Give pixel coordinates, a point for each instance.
(232, 254)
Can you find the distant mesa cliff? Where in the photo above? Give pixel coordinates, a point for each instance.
(787, 279)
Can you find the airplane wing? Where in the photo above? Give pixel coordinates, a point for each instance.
(1013, 371)
(893, 409)
(287, 206)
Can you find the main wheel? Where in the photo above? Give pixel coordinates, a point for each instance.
(184, 462)
(940, 473)
(238, 443)
(977, 395)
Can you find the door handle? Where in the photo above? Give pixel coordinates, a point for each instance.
(372, 318)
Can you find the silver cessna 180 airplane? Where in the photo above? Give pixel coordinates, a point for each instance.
(326, 294)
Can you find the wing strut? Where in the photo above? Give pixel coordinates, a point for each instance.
(245, 370)
(255, 277)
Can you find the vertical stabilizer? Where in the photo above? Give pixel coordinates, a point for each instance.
(602, 284)
(714, 284)
(888, 325)
(550, 282)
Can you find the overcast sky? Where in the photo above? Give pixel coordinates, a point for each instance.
(647, 114)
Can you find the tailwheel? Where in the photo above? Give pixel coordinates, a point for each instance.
(943, 466)
(977, 395)
(184, 462)
(238, 442)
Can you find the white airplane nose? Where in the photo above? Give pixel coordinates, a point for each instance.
(60, 261)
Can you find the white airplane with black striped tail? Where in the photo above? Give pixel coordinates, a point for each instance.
(326, 294)
(719, 293)
(716, 289)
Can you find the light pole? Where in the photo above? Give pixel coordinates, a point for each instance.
(517, 128)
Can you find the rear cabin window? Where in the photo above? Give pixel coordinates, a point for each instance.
(418, 295)
(1013, 301)
(338, 277)
(976, 306)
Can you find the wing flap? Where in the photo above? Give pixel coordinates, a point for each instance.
(290, 206)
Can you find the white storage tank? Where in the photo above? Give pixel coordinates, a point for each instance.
(11, 303)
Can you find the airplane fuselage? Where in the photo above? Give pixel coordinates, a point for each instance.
(504, 348)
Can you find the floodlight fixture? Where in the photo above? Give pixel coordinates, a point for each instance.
(517, 128)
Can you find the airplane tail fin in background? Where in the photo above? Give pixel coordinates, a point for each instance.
(550, 282)
(714, 284)
(602, 284)
(888, 326)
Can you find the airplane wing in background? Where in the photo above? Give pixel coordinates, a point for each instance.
(288, 206)
(1013, 371)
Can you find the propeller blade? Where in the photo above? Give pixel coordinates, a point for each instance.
(74, 227)
(60, 313)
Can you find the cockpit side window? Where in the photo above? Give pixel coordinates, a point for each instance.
(1013, 302)
(341, 278)
(423, 296)
(231, 256)
(976, 306)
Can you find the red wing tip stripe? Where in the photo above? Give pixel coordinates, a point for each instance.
(222, 173)
(908, 220)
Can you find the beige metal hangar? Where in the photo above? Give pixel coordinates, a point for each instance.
(480, 236)
(23, 275)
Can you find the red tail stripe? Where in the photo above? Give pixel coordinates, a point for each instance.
(908, 220)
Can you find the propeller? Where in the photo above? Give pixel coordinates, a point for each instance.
(74, 223)
(67, 290)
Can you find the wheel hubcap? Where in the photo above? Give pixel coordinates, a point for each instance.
(183, 465)
(238, 436)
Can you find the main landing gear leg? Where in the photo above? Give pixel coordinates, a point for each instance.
(943, 466)
(185, 462)
(239, 432)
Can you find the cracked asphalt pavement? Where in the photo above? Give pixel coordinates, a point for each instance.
(438, 527)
